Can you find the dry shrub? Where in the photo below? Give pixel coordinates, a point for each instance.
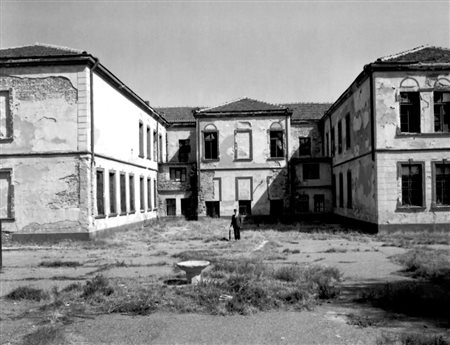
(28, 293)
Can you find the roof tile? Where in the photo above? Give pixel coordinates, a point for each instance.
(243, 105)
(37, 50)
(423, 54)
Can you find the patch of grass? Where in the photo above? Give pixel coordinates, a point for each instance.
(335, 250)
(72, 287)
(27, 293)
(412, 339)
(58, 263)
(361, 320)
(289, 251)
(98, 285)
(409, 239)
(47, 335)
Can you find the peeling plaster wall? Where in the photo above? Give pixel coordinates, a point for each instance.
(388, 86)
(303, 130)
(174, 134)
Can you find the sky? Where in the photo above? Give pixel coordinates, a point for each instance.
(205, 53)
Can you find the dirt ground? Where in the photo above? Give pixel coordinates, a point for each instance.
(147, 255)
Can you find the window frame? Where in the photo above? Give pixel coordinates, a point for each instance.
(141, 139)
(277, 130)
(340, 136)
(348, 131)
(112, 193)
(411, 208)
(155, 194)
(149, 194)
(9, 117)
(131, 194)
(441, 105)
(349, 189)
(307, 176)
(237, 186)
(248, 207)
(99, 215)
(155, 145)
(149, 142)
(305, 202)
(142, 193)
(174, 170)
(434, 205)
(184, 154)
(307, 139)
(204, 133)
(409, 105)
(341, 190)
(319, 203)
(123, 201)
(10, 210)
(250, 148)
(332, 141)
(220, 188)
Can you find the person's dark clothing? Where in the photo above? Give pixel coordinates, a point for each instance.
(236, 222)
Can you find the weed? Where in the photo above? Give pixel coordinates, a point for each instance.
(28, 293)
(288, 273)
(99, 284)
(46, 335)
(72, 287)
(324, 280)
(361, 320)
(58, 263)
(335, 250)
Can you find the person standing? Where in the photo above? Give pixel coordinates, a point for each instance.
(236, 222)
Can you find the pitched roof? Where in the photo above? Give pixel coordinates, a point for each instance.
(308, 111)
(244, 105)
(177, 114)
(422, 54)
(38, 50)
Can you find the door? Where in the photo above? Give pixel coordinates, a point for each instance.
(171, 207)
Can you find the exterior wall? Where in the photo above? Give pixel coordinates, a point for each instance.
(357, 158)
(389, 190)
(47, 151)
(305, 129)
(174, 134)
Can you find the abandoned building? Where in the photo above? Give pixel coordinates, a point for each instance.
(81, 152)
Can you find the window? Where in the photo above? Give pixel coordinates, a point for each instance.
(141, 193)
(319, 203)
(149, 194)
(213, 209)
(334, 189)
(276, 208)
(311, 171)
(178, 174)
(141, 139)
(442, 187)
(155, 195)
(304, 148)
(333, 148)
(184, 150)
(5, 116)
(132, 189)
(243, 144)
(442, 111)
(349, 190)
(340, 136)
(244, 188)
(211, 145)
(160, 146)
(412, 194)
(245, 207)
(123, 194)
(303, 203)
(327, 143)
(100, 192)
(348, 139)
(276, 141)
(112, 194)
(6, 194)
(341, 190)
(171, 207)
(155, 146)
(149, 138)
(410, 112)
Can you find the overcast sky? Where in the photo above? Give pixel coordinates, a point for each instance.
(203, 53)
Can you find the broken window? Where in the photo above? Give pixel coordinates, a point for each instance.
(243, 144)
(348, 139)
(132, 189)
(327, 143)
(155, 146)
(410, 112)
(184, 148)
(340, 136)
(171, 207)
(149, 149)
(160, 148)
(442, 111)
(311, 171)
(178, 174)
(155, 195)
(141, 139)
(412, 193)
(149, 194)
(349, 190)
(100, 183)
(341, 190)
(213, 209)
(245, 207)
(123, 194)
(442, 187)
(333, 148)
(319, 203)
(304, 148)
(5, 116)
(112, 194)
(141, 194)
(211, 145)
(276, 141)
(6, 194)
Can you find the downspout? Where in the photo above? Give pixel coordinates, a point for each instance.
(91, 96)
(372, 116)
(197, 130)
(288, 128)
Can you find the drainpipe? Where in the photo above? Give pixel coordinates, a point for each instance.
(197, 130)
(372, 116)
(91, 92)
(288, 127)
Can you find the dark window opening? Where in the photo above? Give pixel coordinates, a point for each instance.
(276, 208)
(442, 111)
(303, 203)
(412, 185)
(348, 139)
(5, 115)
(149, 194)
(341, 190)
(305, 147)
(141, 139)
(155, 146)
(141, 194)
(149, 138)
(311, 171)
(442, 184)
(178, 174)
(171, 206)
(160, 147)
(186, 207)
(327, 143)
(132, 188)
(112, 193)
(410, 112)
(6, 195)
(349, 190)
(319, 203)
(123, 194)
(184, 150)
(245, 207)
(333, 147)
(211, 146)
(276, 144)
(213, 209)
(340, 136)
(155, 195)
(100, 193)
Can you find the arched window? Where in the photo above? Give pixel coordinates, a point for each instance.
(276, 137)
(210, 142)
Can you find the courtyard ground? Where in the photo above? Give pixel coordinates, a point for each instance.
(380, 300)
